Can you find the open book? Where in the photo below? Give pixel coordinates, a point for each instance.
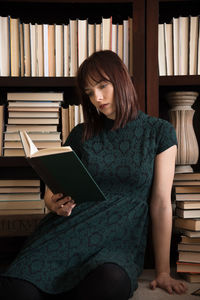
(62, 171)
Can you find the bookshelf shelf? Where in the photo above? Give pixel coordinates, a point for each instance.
(37, 82)
(13, 162)
(179, 80)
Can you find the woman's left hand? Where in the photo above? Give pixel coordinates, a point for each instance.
(169, 284)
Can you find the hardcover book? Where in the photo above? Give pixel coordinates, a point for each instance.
(62, 171)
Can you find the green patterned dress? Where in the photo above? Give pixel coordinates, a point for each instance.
(63, 250)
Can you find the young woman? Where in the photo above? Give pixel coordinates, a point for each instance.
(96, 250)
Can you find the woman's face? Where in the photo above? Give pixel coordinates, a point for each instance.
(101, 95)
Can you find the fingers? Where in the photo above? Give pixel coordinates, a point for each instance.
(180, 287)
(153, 284)
(62, 206)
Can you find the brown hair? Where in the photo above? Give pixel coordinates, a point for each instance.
(106, 66)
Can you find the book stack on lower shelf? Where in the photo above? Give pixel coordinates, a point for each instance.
(39, 114)
(20, 197)
(187, 222)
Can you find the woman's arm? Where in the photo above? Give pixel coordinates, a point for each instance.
(57, 204)
(161, 215)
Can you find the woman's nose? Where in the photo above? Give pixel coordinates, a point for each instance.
(98, 95)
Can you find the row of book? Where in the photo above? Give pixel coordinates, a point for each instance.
(21, 196)
(187, 222)
(58, 49)
(41, 115)
(179, 46)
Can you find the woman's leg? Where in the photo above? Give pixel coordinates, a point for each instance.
(12, 288)
(107, 282)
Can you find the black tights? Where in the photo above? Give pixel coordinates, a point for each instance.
(107, 282)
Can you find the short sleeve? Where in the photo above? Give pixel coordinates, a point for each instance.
(74, 139)
(166, 136)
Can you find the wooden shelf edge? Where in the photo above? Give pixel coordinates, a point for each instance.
(37, 81)
(179, 80)
(13, 161)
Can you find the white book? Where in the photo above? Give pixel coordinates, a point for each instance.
(126, 43)
(66, 50)
(91, 39)
(193, 43)
(4, 47)
(168, 49)
(33, 50)
(76, 115)
(59, 50)
(175, 26)
(106, 33)
(27, 52)
(120, 39)
(21, 37)
(114, 38)
(161, 51)
(14, 46)
(198, 54)
(73, 28)
(183, 45)
(98, 37)
(39, 50)
(82, 41)
(46, 55)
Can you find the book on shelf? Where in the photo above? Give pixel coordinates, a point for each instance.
(187, 189)
(186, 183)
(188, 204)
(120, 39)
(188, 213)
(19, 182)
(39, 144)
(24, 205)
(187, 197)
(8, 212)
(187, 177)
(59, 50)
(188, 267)
(82, 40)
(189, 240)
(51, 50)
(98, 36)
(189, 247)
(73, 28)
(45, 47)
(32, 114)
(35, 136)
(198, 53)
(39, 50)
(193, 44)
(33, 121)
(19, 189)
(188, 224)
(66, 50)
(35, 96)
(130, 20)
(106, 33)
(192, 278)
(189, 256)
(14, 46)
(168, 49)
(1, 128)
(125, 42)
(190, 233)
(5, 50)
(30, 127)
(21, 43)
(183, 45)
(175, 35)
(33, 49)
(65, 123)
(33, 109)
(91, 38)
(161, 50)
(52, 165)
(19, 196)
(27, 50)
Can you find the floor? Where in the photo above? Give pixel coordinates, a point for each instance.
(144, 292)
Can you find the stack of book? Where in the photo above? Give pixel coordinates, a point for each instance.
(179, 46)
(20, 196)
(38, 114)
(187, 221)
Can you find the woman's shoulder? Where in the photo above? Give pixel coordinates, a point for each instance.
(154, 122)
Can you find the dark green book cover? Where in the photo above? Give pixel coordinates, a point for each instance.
(65, 173)
(62, 171)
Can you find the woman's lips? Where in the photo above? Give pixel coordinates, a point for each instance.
(102, 106)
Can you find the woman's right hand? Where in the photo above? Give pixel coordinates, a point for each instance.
(59, 205)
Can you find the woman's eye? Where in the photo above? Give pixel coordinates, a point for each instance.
(102, 86)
